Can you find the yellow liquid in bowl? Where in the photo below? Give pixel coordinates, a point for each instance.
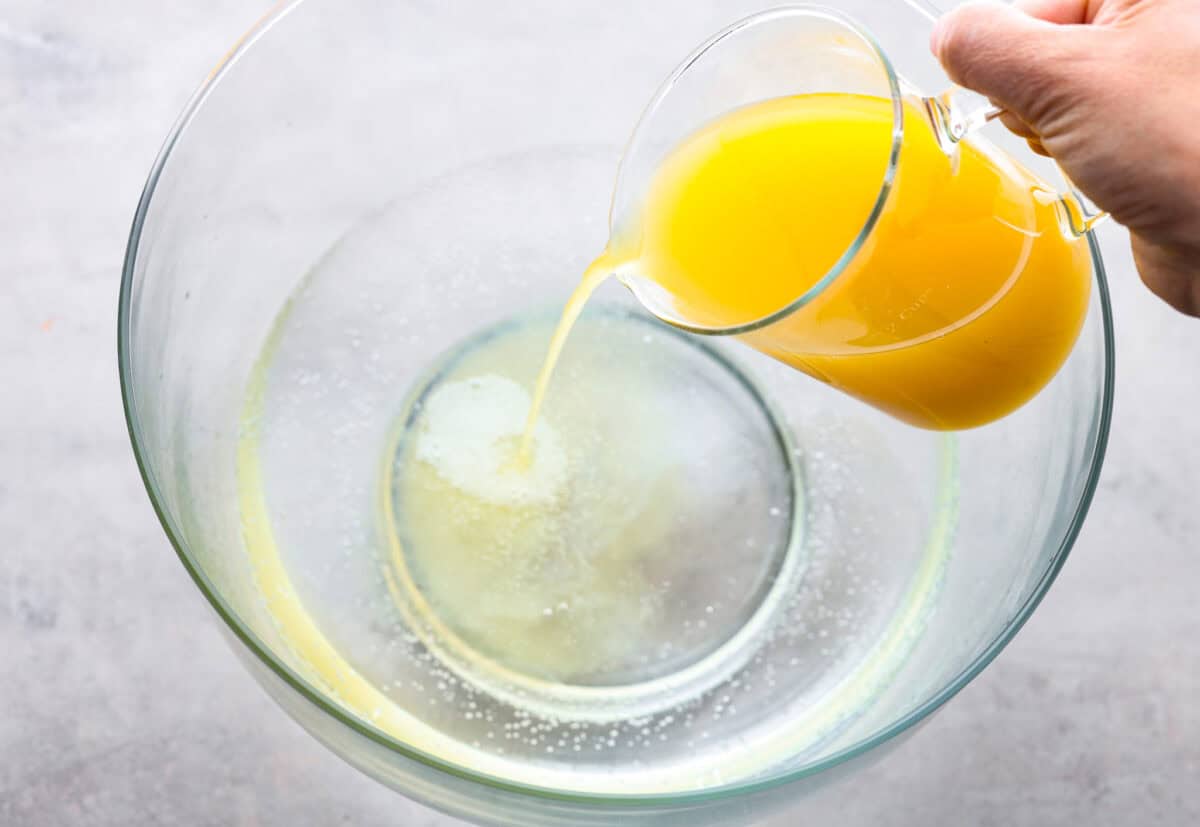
(542, 587)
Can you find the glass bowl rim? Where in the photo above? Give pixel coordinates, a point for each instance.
(314, 696)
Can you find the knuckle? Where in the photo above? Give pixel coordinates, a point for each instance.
(963, 42)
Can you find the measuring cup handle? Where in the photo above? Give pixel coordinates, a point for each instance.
(1078, 212)
(958, 112)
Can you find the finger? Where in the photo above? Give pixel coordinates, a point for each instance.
(1017, 126)
(1024, 64)
(1036, 145)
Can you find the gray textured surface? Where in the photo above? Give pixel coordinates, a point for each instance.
(119, 702)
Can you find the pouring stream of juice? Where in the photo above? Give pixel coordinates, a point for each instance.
(962, 303)
(593, 277)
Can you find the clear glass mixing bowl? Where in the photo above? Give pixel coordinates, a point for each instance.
(367, 197)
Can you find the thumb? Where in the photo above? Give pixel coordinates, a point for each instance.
(1022, 63)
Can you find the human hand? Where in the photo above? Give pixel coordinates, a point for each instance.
(1111, 90)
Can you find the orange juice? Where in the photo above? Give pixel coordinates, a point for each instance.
(962, 302)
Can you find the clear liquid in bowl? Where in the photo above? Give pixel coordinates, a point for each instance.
(704, 584)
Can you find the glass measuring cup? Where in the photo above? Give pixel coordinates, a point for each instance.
(955, 293)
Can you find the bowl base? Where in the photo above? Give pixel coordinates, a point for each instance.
(639, 558)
